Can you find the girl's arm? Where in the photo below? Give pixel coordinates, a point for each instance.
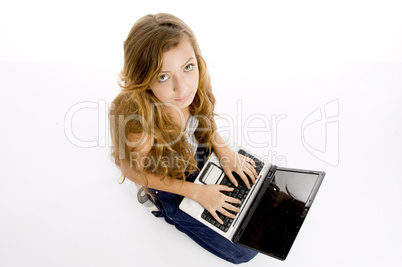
(234, 162)
(169, 184)
(209, 196)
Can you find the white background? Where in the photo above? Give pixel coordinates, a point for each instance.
(61, 203)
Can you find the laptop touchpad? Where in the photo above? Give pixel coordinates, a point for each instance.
(212, 174)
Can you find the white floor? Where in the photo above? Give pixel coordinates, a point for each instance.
(321, 99)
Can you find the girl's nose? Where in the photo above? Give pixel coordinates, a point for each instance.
(180, 85)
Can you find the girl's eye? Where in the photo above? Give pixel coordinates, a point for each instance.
(189, 67)
(163, 78)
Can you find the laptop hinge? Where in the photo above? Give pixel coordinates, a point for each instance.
(268, 179)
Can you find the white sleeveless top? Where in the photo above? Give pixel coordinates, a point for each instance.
(191, 126)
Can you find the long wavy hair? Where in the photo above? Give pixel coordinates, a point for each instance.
(136, 111)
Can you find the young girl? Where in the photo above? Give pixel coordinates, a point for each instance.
(163, 129)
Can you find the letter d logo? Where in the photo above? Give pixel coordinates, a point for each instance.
(320, 133)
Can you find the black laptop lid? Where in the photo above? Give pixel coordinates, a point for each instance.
(278, 216)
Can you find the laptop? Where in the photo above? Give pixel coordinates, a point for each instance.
(271, 212)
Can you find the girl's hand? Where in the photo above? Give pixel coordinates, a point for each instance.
(211, 198)
(242, 165)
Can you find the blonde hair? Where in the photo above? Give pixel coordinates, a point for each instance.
(137, 110)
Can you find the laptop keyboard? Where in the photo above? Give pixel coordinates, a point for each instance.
(239, 192)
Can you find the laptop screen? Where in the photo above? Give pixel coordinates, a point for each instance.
(279, 215)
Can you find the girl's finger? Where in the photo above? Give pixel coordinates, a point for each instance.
(231, 208)
(253, 171)
(233, 200)
(251, 175)
(225, 188)
(252, 162)
(227, 213)
(215, 215)
(244, 178)
(231, 178)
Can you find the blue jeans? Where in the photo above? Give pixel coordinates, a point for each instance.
(168, 204)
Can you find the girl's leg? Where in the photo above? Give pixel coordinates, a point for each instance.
(201, 234)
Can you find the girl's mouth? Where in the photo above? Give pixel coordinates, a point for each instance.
(183, 99)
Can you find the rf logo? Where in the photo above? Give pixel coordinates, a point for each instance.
(320, 133)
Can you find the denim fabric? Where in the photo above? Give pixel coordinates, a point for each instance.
(168, 205)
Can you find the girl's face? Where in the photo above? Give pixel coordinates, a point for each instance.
(177, 83)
